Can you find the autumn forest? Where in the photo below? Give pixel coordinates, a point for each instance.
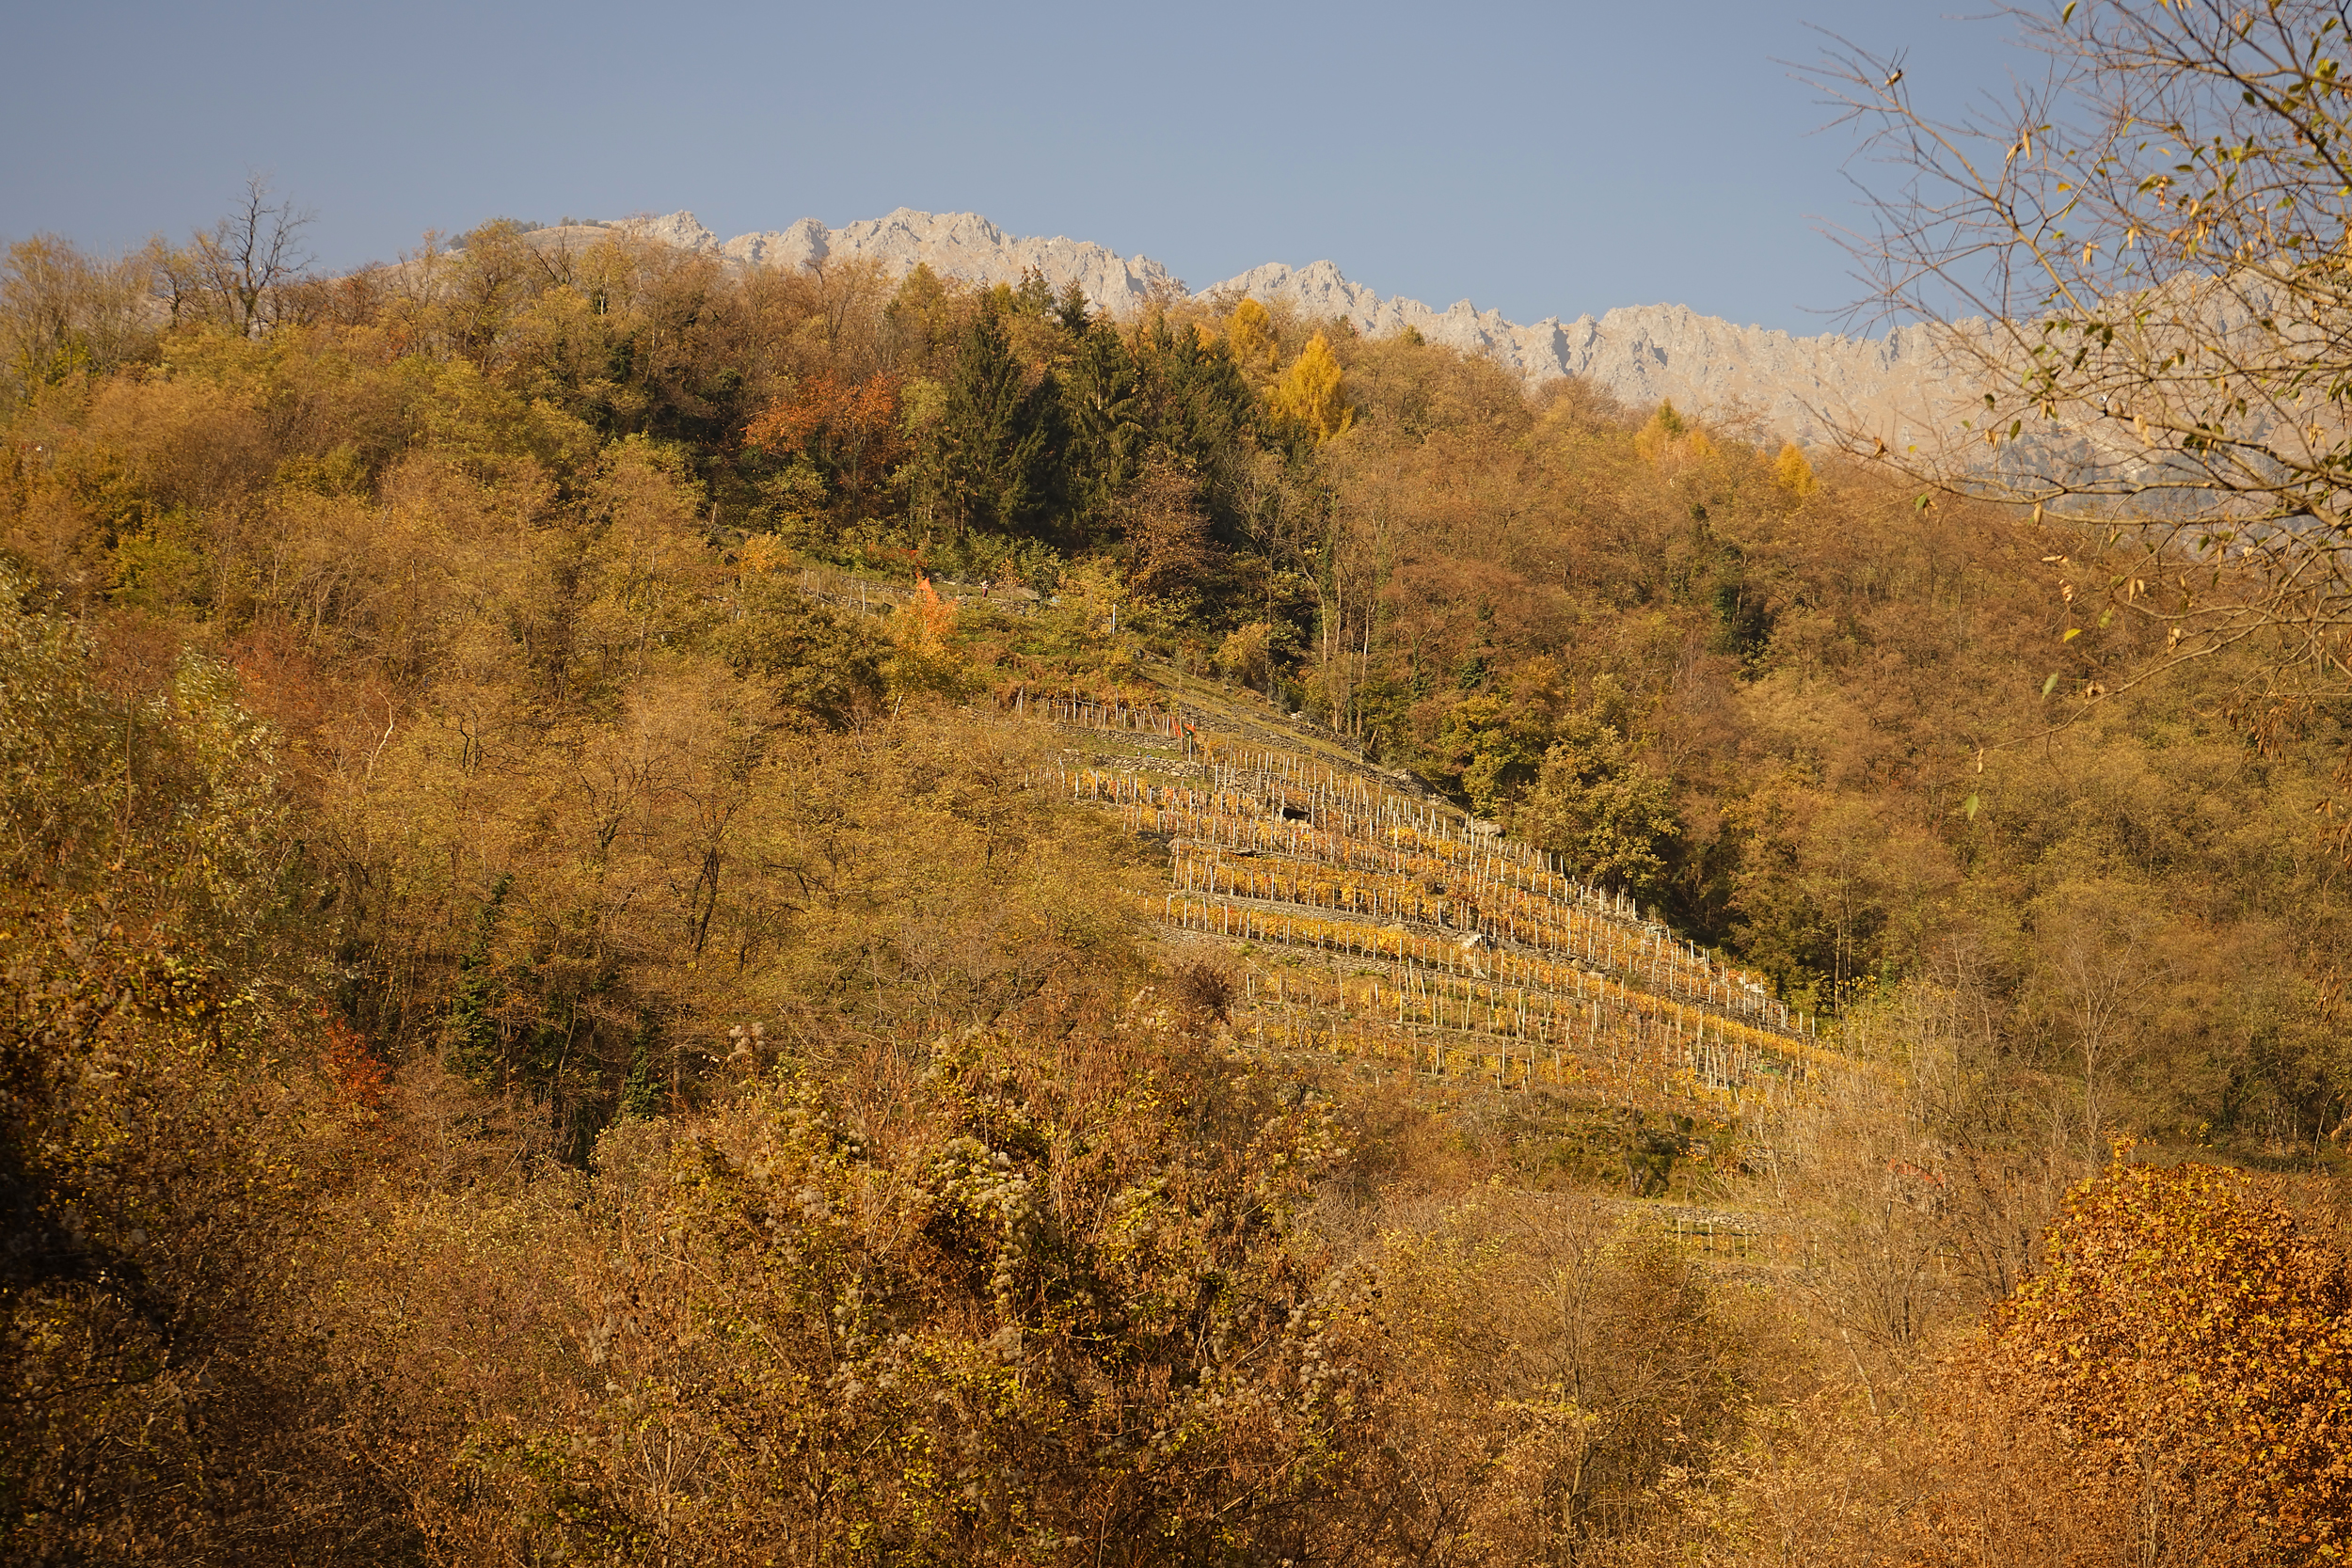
(663, 911)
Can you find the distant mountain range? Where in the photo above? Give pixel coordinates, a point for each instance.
(1798, 387)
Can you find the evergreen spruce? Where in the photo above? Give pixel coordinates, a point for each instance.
(473, 1033)
(993, 456)
(1102, 410)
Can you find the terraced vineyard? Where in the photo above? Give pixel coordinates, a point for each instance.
(1368, 921)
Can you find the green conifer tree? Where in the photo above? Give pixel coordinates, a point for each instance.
(994, 458)
(1194, 403)
(1102, 412)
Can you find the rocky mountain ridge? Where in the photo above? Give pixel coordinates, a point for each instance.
(1646, 354)
(956, 244)
(1807, 387)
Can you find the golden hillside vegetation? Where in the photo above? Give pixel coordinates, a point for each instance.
(660, 914)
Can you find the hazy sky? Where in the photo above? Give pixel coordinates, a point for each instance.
(1536, 159)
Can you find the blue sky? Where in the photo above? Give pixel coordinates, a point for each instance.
(1535, 159)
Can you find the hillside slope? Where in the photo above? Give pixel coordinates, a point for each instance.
(1360, 918)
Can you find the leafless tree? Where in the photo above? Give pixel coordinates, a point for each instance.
(237, 272)
(2104, 957)
(2136, 262)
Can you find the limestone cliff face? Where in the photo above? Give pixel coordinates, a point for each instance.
(956, 244)
(1793, 386)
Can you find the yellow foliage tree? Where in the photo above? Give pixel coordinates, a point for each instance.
(1311, 392)
(1250, 331)
(1656, 438)
(1792, 473)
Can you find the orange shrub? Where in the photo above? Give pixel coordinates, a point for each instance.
(2203, 1344)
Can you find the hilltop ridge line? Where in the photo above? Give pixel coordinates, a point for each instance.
(1803, 386)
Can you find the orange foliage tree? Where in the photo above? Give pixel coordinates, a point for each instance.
(2202, 1344)
(849, 429)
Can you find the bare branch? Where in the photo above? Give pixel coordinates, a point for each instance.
(240, 269)
(2138, 263)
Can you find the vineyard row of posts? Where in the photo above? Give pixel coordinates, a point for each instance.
(1381, 926)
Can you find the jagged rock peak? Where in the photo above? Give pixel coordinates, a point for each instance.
(958, 245)
(680, 228)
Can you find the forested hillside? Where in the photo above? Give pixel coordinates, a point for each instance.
(596, 969)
